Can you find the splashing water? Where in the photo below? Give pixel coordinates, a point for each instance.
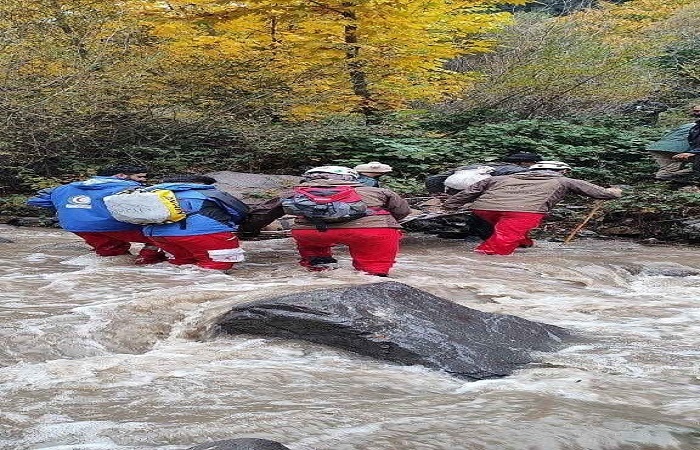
(99, 354)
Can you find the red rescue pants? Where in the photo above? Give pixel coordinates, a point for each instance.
(373, 250)
(510, 230)
(204, 250)
(113, 243)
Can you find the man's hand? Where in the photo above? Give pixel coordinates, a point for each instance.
(683, 156)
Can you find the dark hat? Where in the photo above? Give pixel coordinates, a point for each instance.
(523, 157)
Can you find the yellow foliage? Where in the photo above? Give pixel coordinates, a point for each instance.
(626, 20)
(334, 55)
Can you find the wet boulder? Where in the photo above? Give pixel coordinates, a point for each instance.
(241, 444)
(690, 229)
(663, 270)
(398, 323)
(253, 187)
(33, 221)
(449, 226)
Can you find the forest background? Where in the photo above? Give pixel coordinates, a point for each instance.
(281, 86)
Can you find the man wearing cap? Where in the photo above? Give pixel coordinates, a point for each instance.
(370, 172)
(517, 203)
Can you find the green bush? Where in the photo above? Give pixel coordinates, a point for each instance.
(610, 152)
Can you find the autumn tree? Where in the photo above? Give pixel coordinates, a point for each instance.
(330, 55)
(81, 79)
(681, 54)
(67, 75)
(594, 61)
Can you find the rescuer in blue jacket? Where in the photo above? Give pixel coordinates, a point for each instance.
(207, 235)
(81, 210)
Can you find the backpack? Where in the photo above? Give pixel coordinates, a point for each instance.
(224, 208)
(142, 207)
(324, 205)
(462, 179)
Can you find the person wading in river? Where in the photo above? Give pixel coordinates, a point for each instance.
(370, 228)
(207, 235)
(515, 204)
(81, 210)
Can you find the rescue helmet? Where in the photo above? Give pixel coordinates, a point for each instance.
(334, 170)
(374, 167)
(550, 165)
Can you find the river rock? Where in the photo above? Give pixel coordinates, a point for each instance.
(451, 226)
(690, 229)
(663, 270)
(253, 187)
(395, 322)
(33, 222)
(5, 241)
(241, 444)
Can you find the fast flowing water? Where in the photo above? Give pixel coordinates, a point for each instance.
(98, 354)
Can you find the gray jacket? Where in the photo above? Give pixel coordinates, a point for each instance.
(532, 191)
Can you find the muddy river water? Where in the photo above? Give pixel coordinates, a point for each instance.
(98, 354)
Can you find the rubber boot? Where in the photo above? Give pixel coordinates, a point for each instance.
(320, 263)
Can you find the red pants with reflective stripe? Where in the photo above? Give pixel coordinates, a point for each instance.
(113, 243)
(510, 230)
(195, 249)
(373, 250)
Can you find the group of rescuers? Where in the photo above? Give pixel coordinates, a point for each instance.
(514, 201)
(513, 198)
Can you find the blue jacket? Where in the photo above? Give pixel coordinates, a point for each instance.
(79, 205)
(191, 197)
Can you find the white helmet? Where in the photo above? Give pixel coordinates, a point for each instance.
(551, 165)
(335, 170)
(374, 167)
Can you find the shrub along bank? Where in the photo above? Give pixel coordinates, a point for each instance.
(605, 151)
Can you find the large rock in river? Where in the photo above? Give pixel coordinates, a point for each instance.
(241, 444)
(395, 322)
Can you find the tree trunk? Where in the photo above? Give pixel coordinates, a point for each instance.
(358, 78)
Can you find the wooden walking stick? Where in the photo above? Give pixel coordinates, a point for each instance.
(596, 206)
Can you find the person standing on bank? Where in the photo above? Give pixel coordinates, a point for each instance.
(207, 235)
(517, 203)
(676, 153)
(81, 210)
(369, 173)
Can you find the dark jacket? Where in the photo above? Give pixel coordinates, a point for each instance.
(675, 141)
(368, 181)
(694, 138)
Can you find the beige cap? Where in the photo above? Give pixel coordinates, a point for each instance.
(374, 167)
